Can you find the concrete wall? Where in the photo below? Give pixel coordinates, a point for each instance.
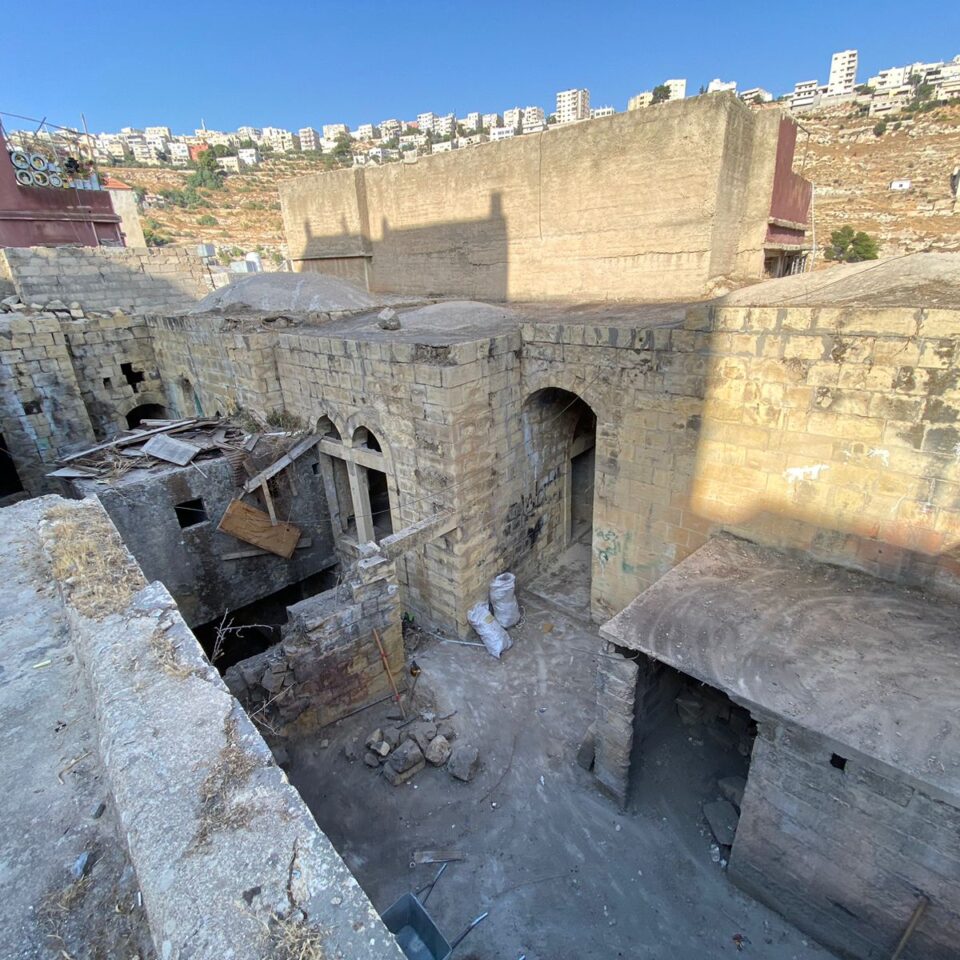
(659, 204)
(107, 278)
(846, 854)
(188, 560)
(126, 208)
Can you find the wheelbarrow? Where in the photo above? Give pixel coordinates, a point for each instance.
(416, 933)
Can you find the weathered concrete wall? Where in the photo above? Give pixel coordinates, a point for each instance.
(846, 854)
(126, 208)
(223, 846)
(188, 560)
(328, 664)
(42, 415)
(107, 278)
(658, 204)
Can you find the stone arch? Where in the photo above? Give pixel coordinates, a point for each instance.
(327, 428)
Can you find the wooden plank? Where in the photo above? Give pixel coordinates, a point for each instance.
(173, 451)
(361, 455)
(251, 525)
(127, 441)
(269, 502)
(303, 544)
(297, 450)
(74, 473)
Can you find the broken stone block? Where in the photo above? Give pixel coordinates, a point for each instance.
(388, 319)
(464, 762)
(381, 749)
(405, 762)
(391, 736)
(722, 819)
(438, 751)
(271, 682)
(422, 732)
(351, 751)
(731, 788)
(371, 759)
(374, 738)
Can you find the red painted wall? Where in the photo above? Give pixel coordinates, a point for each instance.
(53, 216)
(791, 192)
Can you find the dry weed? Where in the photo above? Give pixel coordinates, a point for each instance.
(89, 559)
(165, 650)
(294, 939)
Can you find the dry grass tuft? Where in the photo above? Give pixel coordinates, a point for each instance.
(294, 939)
(165, 650)
(98, 576)
(233, 768)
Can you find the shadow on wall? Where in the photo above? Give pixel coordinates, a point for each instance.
(418, 261)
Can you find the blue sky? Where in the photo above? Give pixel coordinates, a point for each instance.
(297, 64)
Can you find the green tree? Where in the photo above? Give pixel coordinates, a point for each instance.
(343, 149)
(851, 246)
(880, 128)
(208, 220)
(661, 93)
(207, 173)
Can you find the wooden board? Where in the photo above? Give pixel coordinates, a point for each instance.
(127, 441)
(170, 449)
(297, 450)
(251, 525)
(304, 543)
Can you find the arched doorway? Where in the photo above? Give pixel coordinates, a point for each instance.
(377, 490)
(555, 540)
(146, 411)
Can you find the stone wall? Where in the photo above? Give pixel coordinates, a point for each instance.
(115, 365)
(189, 560)
(328, 664)
(657, 204)
(847, 853)
(42, 415)
(107, 278)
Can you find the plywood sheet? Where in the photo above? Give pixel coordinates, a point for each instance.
(170, 449)
(251, 525)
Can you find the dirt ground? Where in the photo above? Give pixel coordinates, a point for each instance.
(562, 872)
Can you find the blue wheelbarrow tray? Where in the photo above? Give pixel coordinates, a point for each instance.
(416, 934)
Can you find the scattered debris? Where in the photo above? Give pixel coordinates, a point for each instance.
(438, 751)
(722, 819)
(436, 856)
(81, 866)
(170, 449)
(731, 788)
(388, 319)
(405, 762)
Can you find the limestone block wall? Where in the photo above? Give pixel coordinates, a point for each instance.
(189, 560)
(100, 347)
(210, 364)
(107, 278)
(846, 854)
(655, 204)
(328, 663)
(42, 415)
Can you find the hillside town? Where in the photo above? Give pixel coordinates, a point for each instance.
(888, 93)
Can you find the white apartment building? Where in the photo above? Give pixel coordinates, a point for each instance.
(309, 138)
(229, 164)
(116, 149)
(142, 151)
(513, 118)
(533, 120)
(490, 120)
(131, 132)
(179, 153)
(445, 126)
(596, 112)
(677, 88)
(471, 121)
(390, 129)
(162, 133)
(250, 133)
(889, 79)
(843, 74)
(249, 156)
(502, 133)
(364, 132)
(425, 121)
(572, 105)
(157, 141)
(472, 140)
(641, 101)
(333, 130)
(283, 141)
(805, 94)
(755, 94)
(444, 147)
(718, 86)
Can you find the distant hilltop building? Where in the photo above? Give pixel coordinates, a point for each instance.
(572, 105)
(676, 90)
(843, 74)
(717, 85)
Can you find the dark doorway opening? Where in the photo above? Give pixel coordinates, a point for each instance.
(380, 503)
(9, 478)
(191, 512)
(146, 411)
(691, 756)
(254, 628)
(133, 377)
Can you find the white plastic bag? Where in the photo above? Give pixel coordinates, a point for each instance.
(504, 600)
(494, 637)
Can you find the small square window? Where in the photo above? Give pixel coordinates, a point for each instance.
(837, 761)
(191, 512)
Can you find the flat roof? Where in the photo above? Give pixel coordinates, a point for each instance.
(867, 664)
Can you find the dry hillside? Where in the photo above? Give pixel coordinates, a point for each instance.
(852, 168)
(837, 149)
